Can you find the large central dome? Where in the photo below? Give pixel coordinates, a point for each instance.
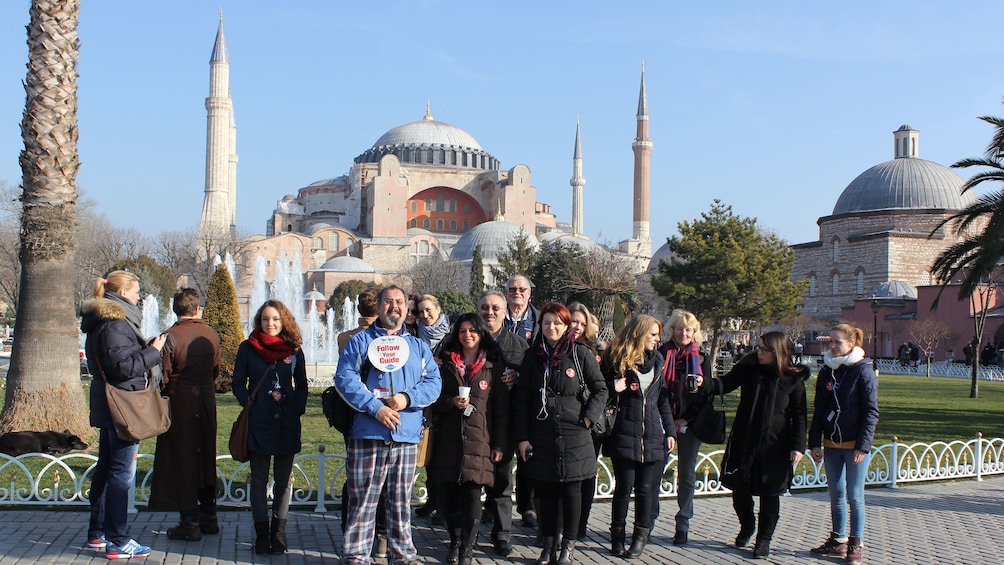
(905, 182)
(431, 143)
(427, 132)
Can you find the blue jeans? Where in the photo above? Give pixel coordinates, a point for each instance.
(846, 483)
(687, 449)
(111, 488)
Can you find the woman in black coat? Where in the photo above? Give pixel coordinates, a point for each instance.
(472, 430)
(768, 435)
(117, 356)
(553, 417)
(272, 352)
(644, 430)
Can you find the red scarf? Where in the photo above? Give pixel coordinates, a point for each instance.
(691, 352)
(463, 368)
(271, 348)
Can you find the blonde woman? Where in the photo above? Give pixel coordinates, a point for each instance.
(433, 325)
(644, 432)
(117, 355)
(683, 356)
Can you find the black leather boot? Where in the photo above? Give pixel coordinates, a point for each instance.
(546, 552)
(188, 531)
(617, 541)
(454, 556)
(765, 532)
(468, 539)
(638, 540)
(277, 535)
(209, 524)
(261, 542)
(567, 546)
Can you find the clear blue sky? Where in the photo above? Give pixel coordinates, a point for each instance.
(771, 107)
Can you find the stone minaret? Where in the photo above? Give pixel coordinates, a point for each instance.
(218, 208)
(640, 244)
(577, 182)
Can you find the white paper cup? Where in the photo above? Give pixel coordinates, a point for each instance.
(465, 391)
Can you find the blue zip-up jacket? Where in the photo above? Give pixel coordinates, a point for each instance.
(419, 380)
(846, 406)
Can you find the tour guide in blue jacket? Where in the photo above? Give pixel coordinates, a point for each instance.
(381, 447)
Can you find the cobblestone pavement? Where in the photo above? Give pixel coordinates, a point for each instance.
(952, 522)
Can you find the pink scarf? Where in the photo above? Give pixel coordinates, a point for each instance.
(463, 368)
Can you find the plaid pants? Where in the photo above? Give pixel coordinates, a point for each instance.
(371, 465)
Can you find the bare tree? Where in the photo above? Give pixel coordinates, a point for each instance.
(10, 266)
(605, 277)
(435, 276)
(930, 334)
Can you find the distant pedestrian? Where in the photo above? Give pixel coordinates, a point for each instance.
(184, 471)
(845, 413)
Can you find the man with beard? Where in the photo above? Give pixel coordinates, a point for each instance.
(381, 447)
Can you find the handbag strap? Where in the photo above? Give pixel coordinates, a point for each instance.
(260, 381)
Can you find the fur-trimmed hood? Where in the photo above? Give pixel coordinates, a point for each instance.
(99, 310)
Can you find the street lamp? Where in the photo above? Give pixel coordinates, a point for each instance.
(875, 311)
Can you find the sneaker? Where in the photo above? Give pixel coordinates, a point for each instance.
(131, 548)
(97, 543)
(853, 556)
(831, 548)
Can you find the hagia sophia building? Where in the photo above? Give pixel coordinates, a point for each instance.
(425, 190)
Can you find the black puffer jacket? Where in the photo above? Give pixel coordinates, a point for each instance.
(850, 394)
(644, 418)
(462, 445)
(770, 423)
(553, 421)
(115, 354)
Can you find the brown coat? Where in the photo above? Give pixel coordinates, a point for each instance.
(185, 459)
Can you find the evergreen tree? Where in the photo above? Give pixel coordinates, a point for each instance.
(517, 258)
(349, 289)
(477, 273)
(455, 302)
(724, 267)
(223, 315)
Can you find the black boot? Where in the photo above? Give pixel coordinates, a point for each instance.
(277, 535)
(454, 556)
(765, 532)
(188, 531)
(747, 527)
(468, 539)
(567, 546)
(261, 543)
(547, 551)
(208, 524)
(617, 541)
(638, 540)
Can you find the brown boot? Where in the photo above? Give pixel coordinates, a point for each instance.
(208, 524)
(187, 531)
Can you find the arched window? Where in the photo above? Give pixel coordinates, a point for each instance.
(836, 283)
(440, 207)
(452, 205)
(333, 241)
(414, 222)
(439, 224)
(812, 285)
(861, 282)
(414, 206)
(289, 227)
(318, 243)
(836, 250)
(426, 224)
(467, 225)
(453, 225)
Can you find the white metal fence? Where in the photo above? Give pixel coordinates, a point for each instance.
(44, 480)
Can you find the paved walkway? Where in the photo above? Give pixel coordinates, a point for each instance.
(955, 522)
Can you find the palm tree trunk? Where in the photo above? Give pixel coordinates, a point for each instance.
(43, 383)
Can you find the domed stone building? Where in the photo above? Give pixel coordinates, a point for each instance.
(880, 230)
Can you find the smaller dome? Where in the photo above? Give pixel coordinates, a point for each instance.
(564, 237)
(493, 237)
(661, 255)
(289, 196)
(314, 228)
(894, 289)
(315, 296)
(906, 127)
(347, 264)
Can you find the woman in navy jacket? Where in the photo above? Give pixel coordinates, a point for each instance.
(272, 352)
(843, 421)
(644, 430)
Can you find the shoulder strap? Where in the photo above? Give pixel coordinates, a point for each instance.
(260, 381)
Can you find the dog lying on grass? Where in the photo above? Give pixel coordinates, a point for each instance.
(53, 443)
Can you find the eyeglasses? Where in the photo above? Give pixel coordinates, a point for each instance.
(764, 348)
(492, 307)
(519, 289)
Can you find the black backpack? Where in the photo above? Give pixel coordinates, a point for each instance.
(338, 412)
